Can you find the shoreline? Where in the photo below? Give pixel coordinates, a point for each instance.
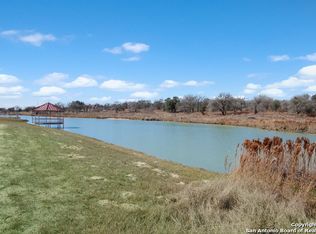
(113, 187)
(268, 121)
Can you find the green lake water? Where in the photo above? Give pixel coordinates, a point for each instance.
(198, 145)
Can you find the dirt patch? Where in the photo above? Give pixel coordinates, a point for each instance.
(97, 178)
(105, 202)
(141, 164)
(174, 175)
(132, 177)
(159, 171)
(75, 156)
(127, 194)
(70, 147)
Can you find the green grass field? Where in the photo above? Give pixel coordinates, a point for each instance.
(52, 181)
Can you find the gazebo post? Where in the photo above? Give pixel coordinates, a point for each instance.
(48, 115)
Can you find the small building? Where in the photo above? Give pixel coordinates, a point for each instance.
(48, 115)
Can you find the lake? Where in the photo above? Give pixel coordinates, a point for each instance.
(198, 145)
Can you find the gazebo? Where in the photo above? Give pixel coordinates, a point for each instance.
(48, 115)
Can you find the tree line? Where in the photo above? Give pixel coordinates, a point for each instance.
(224, 103)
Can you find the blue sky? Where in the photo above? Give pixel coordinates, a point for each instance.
(107, 51)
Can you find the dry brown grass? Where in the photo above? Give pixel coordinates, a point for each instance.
(231, 205)
(288, 168)
(272, 187)
(283, 164)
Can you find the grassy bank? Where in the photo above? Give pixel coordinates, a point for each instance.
(53, 181)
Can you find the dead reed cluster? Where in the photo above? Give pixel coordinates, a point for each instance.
(278, 162)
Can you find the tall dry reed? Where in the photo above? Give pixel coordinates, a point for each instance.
(280, 163)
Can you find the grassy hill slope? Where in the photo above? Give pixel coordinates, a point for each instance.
(55, 181)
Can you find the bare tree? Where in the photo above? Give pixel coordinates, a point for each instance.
(222, 103)
(261, 103)
(298, 104)
(238, 104)
(188, 103)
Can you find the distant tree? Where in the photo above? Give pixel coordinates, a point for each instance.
(237, 104)
(171, 104)
(60, 105)
(97, 107)
(158, 105)
(261, 103)
(76, 106)
(203, 104)
(276, 105)
(222, 103)
(11, 109)
(29, 108)
(284, 106)
(299, 104)
(189, 103)
(117, 106)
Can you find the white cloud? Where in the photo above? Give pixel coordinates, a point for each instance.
(53, 78)
(82, 82)
(279, 58)
(308, 57)
(194, 83)
(37, 39)
(272, 92)
(303, 80)
(291, 82)
(190, 83)
(101, 99)
(47, 91)
(311, 88)
(10, 97)
(121, 85)
(9, 33)
(135, 47)
(128, 47)
(30, 37)
(308, 72)
(169, 84)
(145, 94)
(114, 50)
(132, 59)
(251, 88)
(305, 77)
(8, 79)
(9, 91)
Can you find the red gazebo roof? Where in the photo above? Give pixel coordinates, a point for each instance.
(48, 107)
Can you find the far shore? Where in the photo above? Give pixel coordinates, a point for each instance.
(269, 121)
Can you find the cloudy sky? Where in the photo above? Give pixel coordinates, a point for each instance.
(107, 51)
